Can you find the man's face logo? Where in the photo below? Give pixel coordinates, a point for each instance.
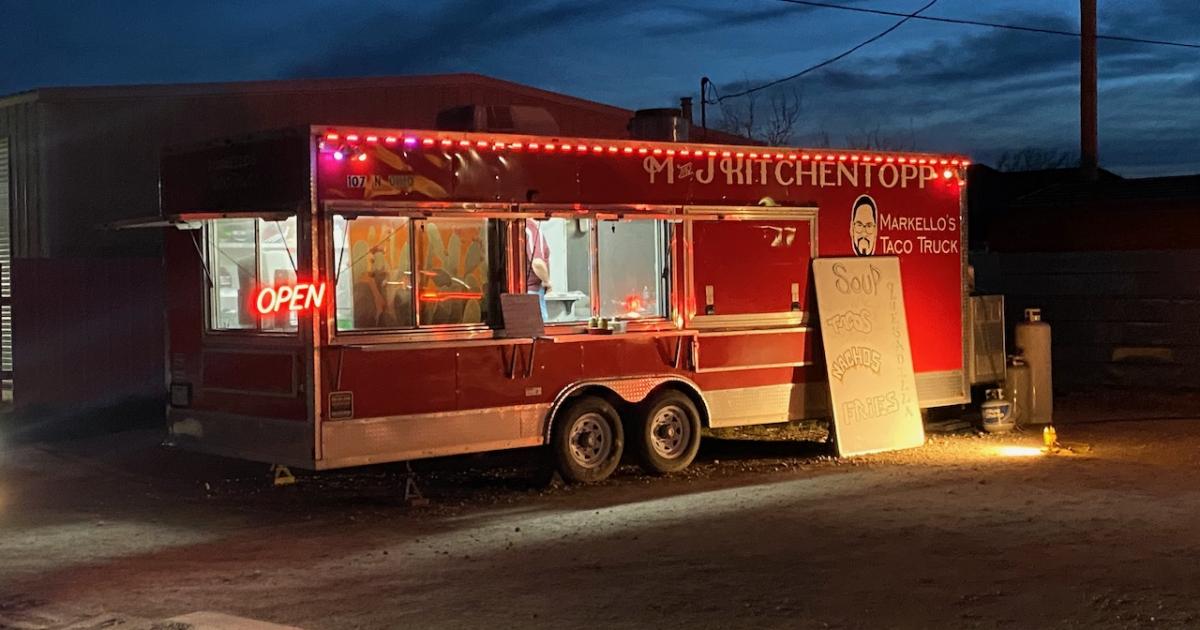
(863, 229)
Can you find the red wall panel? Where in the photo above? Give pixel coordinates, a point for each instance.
(87, 332)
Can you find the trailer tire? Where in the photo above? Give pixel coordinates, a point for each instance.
(587, 440)
(665, 436)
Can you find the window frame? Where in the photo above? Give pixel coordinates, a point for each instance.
(207, 253)
(668, 216)
(497, 227)
(663, 255)
(493, 228)
(332, 275)
(509, 255)
(762, 320)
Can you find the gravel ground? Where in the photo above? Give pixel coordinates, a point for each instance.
(967, 532)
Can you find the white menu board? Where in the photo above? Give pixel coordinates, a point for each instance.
(867, 356)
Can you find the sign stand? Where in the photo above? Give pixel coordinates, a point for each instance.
(864, 334)
(522, 315)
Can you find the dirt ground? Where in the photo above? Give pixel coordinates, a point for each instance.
(966, 532)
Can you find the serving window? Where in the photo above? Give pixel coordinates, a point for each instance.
(243, 255)
(402, 273)
(633, 269)
(558, 267)
(584, 267)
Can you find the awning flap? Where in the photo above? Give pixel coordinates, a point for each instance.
(191, 220)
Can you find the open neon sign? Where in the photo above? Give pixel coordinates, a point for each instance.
(302, 296)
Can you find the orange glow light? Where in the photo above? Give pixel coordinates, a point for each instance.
(633, 305)
(442, 296)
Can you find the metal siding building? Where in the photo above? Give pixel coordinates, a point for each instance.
(87, 328)
(1111, 263)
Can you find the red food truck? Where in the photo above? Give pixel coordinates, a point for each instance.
(338, 296)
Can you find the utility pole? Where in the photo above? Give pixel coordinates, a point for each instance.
(1089, 159)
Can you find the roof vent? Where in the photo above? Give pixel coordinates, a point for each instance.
(665, 123)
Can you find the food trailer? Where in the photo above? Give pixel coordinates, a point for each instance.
(344, 296)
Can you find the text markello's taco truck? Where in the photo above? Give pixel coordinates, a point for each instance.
(335, 294)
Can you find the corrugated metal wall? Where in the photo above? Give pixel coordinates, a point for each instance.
(1119, 319)
(23, 220)
(6, 365)
(20, 124)
(85, 333)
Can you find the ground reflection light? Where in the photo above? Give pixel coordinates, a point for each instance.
(1019, 451)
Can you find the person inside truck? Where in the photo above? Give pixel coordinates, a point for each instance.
(537, 264)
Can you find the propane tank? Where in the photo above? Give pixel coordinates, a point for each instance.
(1033, 342)
(1016, 388)
(997, 412)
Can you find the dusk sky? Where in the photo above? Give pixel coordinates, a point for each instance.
(940, 87)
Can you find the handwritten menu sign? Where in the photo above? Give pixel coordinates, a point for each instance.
(865, 336)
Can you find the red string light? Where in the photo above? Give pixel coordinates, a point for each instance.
(418, 141)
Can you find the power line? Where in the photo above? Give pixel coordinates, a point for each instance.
(905, 17)
(1009, 27)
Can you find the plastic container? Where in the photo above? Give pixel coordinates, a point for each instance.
(997, 412)
(1032, 339)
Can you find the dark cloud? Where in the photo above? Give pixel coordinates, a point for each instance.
(1172, 20)
(1190, 88)
(693, 19)
(987, 91)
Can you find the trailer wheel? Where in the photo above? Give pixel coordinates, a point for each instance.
(587, 440)
(666, 433)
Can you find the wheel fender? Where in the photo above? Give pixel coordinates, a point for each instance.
(632, 390)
